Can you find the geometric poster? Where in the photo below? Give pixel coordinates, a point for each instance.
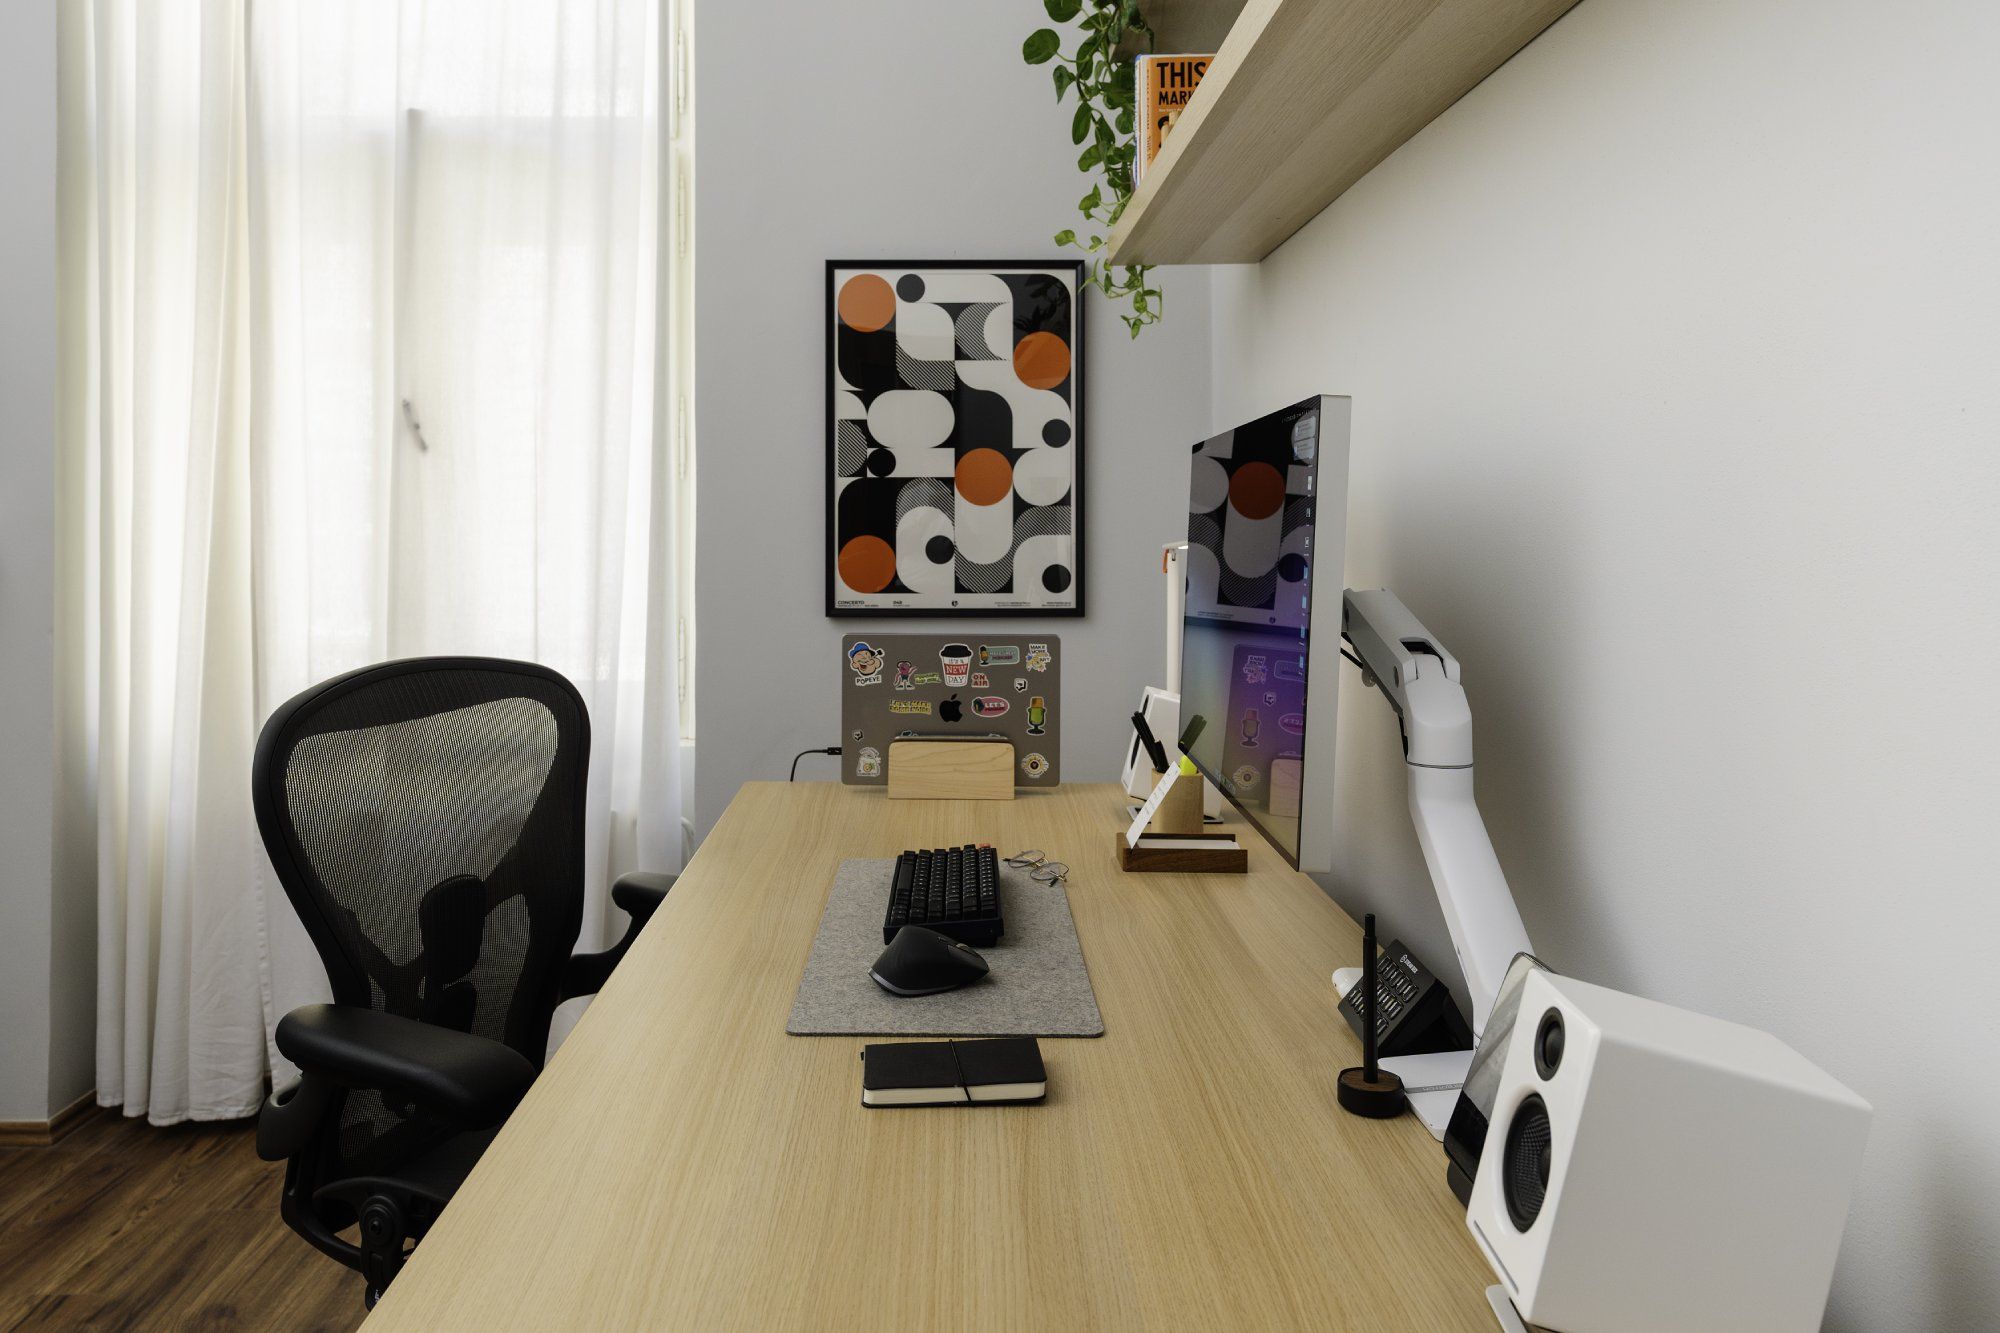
(954, 438)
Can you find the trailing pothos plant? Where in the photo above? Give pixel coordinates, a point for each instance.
(1106, 108)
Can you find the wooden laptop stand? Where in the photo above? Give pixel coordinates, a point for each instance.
(950, 770)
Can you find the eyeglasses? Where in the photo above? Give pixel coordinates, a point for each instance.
(1039, 867)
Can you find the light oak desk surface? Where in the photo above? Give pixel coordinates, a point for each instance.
(684, 1163)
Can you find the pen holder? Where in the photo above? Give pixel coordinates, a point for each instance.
(1180, 812)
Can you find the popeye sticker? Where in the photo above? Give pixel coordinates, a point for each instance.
(869, 763)
(865, 662)
(1038, 657)
(1034, 765)
(904, 671)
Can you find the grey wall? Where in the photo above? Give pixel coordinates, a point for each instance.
(1672, 350)
(29, 920)
(893, 129)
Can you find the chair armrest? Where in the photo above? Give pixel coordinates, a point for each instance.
(472, 1081)
(639, 893)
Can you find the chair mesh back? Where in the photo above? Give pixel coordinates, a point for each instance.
(425, 820)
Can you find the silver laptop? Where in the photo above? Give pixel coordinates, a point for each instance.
(897, 686)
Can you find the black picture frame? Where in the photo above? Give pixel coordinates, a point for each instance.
(920, 606)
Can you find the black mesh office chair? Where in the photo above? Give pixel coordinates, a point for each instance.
(426, 820)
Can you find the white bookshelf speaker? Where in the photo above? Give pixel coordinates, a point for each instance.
(1651, 1170)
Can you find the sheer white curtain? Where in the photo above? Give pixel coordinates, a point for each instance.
(369, 312)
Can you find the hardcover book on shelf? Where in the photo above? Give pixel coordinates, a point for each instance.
(1164, 84)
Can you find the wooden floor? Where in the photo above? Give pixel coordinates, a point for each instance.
(124, 1226)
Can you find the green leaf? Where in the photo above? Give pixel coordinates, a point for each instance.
(1097, 243)
(1062, 11)
(1042, 44)
(1125, 121)
(1064, 78)
(1089, 202)
(1106, 139)
(1090, 157)
(1079, 125)
(1139, 301)
(1065, 237)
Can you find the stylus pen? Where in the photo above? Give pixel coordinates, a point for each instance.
(1154, 751)
(1368, 997)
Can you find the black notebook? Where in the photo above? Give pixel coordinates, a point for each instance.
(953, 1073)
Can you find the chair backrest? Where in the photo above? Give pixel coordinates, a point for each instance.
(426, 820)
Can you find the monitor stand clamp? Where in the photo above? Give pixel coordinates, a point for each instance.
(1420, 679)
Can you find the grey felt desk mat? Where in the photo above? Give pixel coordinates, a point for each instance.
(1039, 986)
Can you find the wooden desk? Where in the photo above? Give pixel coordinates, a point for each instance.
(683, 1163)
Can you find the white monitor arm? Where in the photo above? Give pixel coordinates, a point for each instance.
(1420, 680)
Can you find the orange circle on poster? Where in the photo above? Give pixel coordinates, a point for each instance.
(1041, 360)
(1256, 490)
(867, 564)
(866, 302)
(984, 477)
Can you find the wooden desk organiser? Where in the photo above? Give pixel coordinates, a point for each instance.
(1181, 811)
(965, 770)
(1167, 845)
(1157, 852)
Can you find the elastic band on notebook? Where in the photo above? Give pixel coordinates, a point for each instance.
(963, 1086)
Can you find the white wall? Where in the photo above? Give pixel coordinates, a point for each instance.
(31, 926)
(893, 129)
(1675, 357)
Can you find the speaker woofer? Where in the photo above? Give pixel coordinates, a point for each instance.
(1524, 1179)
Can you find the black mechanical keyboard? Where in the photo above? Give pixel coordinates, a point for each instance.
(952, 890)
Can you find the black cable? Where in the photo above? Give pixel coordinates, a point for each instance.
(831, 749)
(1352, 658)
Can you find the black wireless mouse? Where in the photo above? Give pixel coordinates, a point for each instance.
(923, 962)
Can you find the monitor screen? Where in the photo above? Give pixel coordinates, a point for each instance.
(1246, 634)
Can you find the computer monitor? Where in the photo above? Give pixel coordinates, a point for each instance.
(1267, 528)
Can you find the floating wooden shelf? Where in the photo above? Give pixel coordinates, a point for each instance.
(1305, 97)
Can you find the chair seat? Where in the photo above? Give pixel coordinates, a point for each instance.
(433, 1177)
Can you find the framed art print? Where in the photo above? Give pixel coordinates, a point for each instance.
(954, 438)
